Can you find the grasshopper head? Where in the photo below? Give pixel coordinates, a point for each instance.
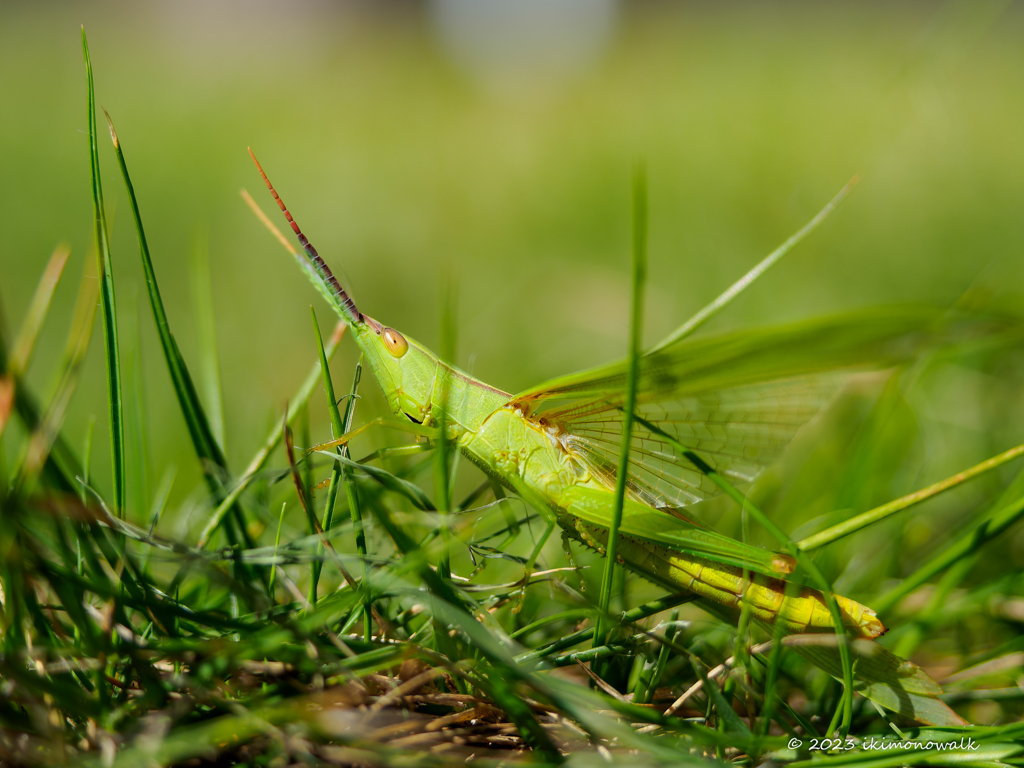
(405, 369)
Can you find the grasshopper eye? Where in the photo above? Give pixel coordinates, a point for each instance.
(395, 342)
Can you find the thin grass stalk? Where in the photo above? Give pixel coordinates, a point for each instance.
(108, 305)
(271, 442)
(87, 457)
(277, 543)
(355, 511)
(337, 429)
(635, 340)
(863, 520)
(727, 296)
(443, 451)
(653, 669)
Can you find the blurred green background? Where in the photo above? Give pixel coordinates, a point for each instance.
(489, 145)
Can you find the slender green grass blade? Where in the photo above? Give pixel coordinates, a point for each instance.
(108, 305)
(45, 436)
(14, 365)
(873, 516)
(392, 482)
(635, 340)
(277, 543)
(195, 417)
(443, 454)
(339, 425)
(336, 431)
(271, 442)
(748, 279)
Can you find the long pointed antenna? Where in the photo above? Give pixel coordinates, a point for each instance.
(348, 307)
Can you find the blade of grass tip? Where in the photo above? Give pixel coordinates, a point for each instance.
(195, 417)
(872, 516)
(277, 543)
(272, 441)
(38, 308)
(635, 340)
(202, 292)
(204, 443)
(163, 493)
(107, 303)
(802, 558)
(747, 280)
(13, 367)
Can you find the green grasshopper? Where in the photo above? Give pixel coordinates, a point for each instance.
(734, 401)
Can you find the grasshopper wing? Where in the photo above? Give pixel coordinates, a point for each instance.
(737, 400)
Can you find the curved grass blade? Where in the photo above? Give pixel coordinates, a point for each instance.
(307, 503)
(38, 308)
(337, 429)
(876, 338)
(13, 366)
(747, 280)
(340, 425)
(398, 485)
(45, 435)
(105, 270)
(205, 445)
(203, 442)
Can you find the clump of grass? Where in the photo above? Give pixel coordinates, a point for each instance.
(389, 627)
